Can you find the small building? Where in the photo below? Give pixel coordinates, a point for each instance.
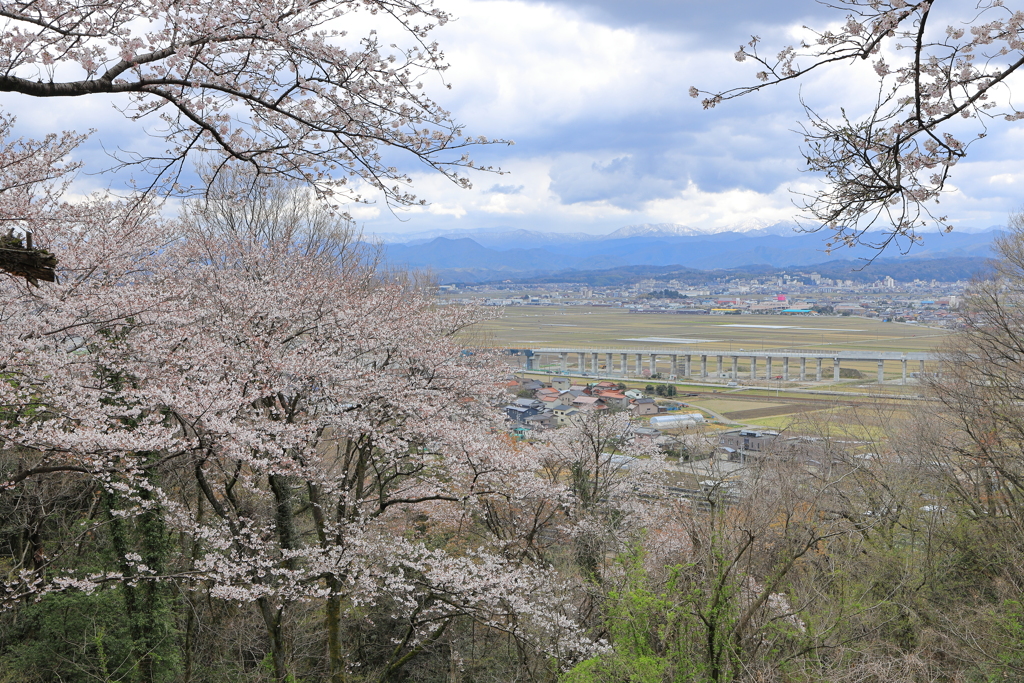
(520, 432)
(736, 445)
(561, 383)
(677, 421)
(589, 403)
(528, 403)
(565, 414)
(644, 406)
(613, 398)
(542, 420)
(550, 401)
(519, 413)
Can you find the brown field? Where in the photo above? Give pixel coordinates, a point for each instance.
(756, 413)
(598, 327)
(857, 407)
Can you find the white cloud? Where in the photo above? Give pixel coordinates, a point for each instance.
(717, 210)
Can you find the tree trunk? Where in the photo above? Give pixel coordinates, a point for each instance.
(334, 651)
(278, 648)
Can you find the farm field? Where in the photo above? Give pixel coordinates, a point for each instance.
(599, 327)
(770, 404)
(611, 328)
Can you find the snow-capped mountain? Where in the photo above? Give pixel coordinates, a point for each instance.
(504, 237)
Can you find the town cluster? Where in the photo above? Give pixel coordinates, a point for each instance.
(541, 406)
(926, 302)
(545, 406)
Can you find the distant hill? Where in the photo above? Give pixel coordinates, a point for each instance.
(541, 255)
(941, 269)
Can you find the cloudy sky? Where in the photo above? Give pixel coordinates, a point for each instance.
(594, 94)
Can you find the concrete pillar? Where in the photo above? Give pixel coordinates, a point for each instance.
(639, 365)
(735, 364)
(753, 367)
(719, 375)
(595, 365)
(921, 372)
(881, 371)
(581, 359)
(803, 368)
(817, 375)
(529, 362)
(785, 369)
(673, 360)
(704, 366)
(654, 363)
(835, 369)
(686, 365)
(564, 357)
(903, 381)
(768, 374)
(624, 364)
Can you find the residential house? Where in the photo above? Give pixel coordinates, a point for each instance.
(519, 413)
(527, 403)
(523, 408)
(565, 414)
(546, 391)
(589, 403)
(550, 401)
(542, 420)
(737, 445)
(560, 383)
(571, 395)
(612, 398)
(644, 406)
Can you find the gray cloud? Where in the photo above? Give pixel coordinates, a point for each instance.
(707, 21)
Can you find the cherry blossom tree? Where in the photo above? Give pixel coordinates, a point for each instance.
(613, 479)
(308, 423)
(937, 63)
(281, 87)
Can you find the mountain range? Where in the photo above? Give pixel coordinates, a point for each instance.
(499, 254)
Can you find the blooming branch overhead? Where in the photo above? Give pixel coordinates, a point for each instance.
(279, 86)
(888, 169)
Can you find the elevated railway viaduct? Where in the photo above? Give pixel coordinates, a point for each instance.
(705, 363)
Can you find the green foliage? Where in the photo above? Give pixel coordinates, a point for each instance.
(634, 618)
(70, 637)
(655, 630)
